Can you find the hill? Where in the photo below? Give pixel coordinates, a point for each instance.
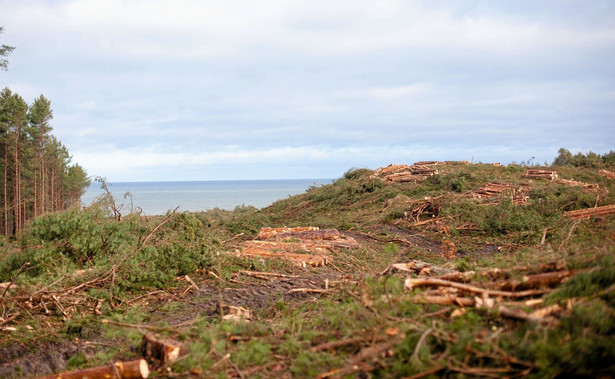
(437, 268)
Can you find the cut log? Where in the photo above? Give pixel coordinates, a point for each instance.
(123, 370)
(581, 214)
(268, 250)
(163, 349)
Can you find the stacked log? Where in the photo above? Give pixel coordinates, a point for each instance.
(404, 173)
(301, 245)
(541, 174)
(581, 214)
(492, 193)
(392, 168)
(607, 174)
(575, 183)
(287, 251)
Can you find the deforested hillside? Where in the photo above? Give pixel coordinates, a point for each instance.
(441, 269)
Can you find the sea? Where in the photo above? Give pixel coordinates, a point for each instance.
(155, 198)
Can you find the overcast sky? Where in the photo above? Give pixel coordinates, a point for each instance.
(208, 90)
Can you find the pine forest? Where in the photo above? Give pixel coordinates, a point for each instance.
(37, 174)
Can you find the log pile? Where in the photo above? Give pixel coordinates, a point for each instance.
(404, 173)
(492, 193)
(607, 174)
(582, 214)
(304, 246)
(575, 183)
(294, 252)
(541, 174)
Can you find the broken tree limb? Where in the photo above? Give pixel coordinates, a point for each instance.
(357, 363)
(262, 273)
(124, 370)
(547, 279)
(309, 290)
(411, 283)
(163, 349)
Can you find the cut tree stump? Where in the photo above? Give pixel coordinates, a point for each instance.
(123, 370)
(163, 349)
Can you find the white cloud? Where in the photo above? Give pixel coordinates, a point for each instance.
(143, 88)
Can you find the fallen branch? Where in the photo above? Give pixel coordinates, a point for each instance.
(260, 275)
(23, 267)
(411, 283)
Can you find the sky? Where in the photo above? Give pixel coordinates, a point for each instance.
(165, 90)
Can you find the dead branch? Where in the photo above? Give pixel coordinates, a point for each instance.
(356, 363)
(547, 279)
(260, 274)
(411, 283)
(23, 267)
(428, 372)
(137, 326)
(339, 343)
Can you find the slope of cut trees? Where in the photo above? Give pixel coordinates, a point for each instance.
(37, 176)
